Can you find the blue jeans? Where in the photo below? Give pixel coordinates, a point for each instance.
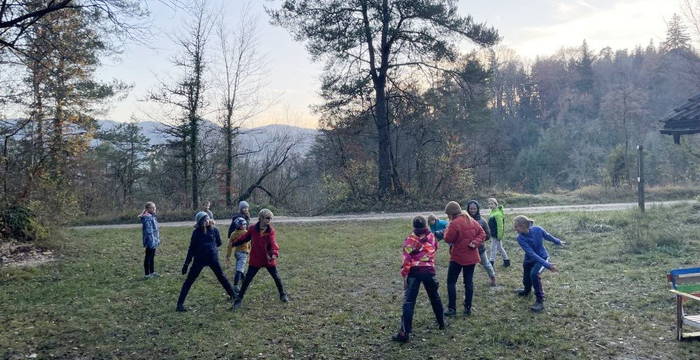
(531, 279)
(411, 293)
(241, 260)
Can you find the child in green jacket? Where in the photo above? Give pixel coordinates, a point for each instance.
(497, 226)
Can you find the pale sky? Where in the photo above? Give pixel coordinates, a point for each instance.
(531, 27)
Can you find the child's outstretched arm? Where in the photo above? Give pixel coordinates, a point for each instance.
(243, 238)
(551, 238)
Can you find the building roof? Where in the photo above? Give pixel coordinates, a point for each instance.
(683, 120)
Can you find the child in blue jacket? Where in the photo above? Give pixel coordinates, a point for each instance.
(151, 238)
(437, 226)
(531, 239)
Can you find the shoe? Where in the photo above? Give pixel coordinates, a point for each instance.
(450, 312)
(467, 312)
(522, 292)
(237, 304)
(155, 274)
(401, 337)
(538, 306)
(442, 326)
(284, 298)
(146, 277)
(506, 263)
(180, 308)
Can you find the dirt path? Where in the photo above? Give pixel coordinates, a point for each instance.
(409, 215)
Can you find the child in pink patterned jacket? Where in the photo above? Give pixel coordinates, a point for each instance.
(419, 250)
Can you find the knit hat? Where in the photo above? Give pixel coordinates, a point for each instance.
(523, 220)
(419, 222)
(453, 208)
(242, 205)
(199, 217)
(239, 222)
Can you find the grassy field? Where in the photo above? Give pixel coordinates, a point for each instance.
(608, 302)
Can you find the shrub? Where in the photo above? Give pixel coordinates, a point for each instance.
(19, 223)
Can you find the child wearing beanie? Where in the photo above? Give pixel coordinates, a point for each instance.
(419, 250)
(437, 226)
(465, 235)
(474, 211)
(241, 253)
(204, 245)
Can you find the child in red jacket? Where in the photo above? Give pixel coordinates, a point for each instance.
(263, 253)
(419, 250)
(465, 235)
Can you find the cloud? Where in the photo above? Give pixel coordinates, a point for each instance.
(624, 24)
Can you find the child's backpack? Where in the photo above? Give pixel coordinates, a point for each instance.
(493, 229)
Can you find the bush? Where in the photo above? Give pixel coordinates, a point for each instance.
(19, 223)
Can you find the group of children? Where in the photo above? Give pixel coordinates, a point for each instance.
(255, 246)
(465, 233)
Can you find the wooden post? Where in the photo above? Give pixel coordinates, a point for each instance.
(640, 178)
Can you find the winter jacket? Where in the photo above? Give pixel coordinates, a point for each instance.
(533, 245)
(497, 217)
(264, 250)
(480, 219)
(150, 230)
(462, 232)
(438, 228)
(204, 245)
(419, 254)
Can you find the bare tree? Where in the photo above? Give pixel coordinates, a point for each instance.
(243, 68)
(278, 151)
(187, 94)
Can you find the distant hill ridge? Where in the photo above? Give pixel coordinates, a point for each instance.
(249, 138)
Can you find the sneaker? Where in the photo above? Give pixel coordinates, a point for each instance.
(146, 277)
(155, 274)
(180, 308)
(522, 292)
(506, 263)
(467, 312)
(450, 312)
(442, 326)
(284, 298)
(237, 304)
(401, 337)
(538, 306)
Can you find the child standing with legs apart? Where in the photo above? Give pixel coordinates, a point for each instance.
(151, 238)
(497, 227)
(465, 235)
(263, 253)
(204, 249)
(241, 253)
(531, 239)
(419, 250)
(475, 212)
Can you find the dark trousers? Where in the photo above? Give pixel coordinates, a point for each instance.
(250, 274)
(468, 277)
(531, 279)
(192, 275)
(411, 293)
(149, 261)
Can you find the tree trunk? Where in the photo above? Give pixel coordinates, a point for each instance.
(381, 118)
(229, 163)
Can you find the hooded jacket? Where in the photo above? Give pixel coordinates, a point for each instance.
(497, 216)
(419, 252)
(480, 219)
(150, 230)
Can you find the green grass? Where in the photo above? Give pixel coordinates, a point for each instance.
(608, 301)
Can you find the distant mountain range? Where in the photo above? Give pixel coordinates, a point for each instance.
(248, 139)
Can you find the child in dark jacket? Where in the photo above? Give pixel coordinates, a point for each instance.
(263, 253)
(419, 250)
(204, 245)
(474, 211)
(531, 239)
